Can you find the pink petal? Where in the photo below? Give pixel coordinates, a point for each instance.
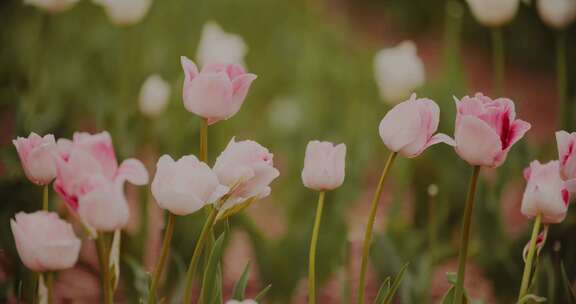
(241, 85)
(440, 138)
(190, 69)
(133, 171)
(476, 142)
(234, 71)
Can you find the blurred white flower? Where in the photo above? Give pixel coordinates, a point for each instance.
(557, 13)
(219, 47)
(154, 96)
(285, 114)
(52, 6)
(125, 12)
(493, 12)
(398, 72)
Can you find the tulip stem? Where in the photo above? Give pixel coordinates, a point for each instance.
(168, 233)
(530, 258)
(45, 198)
(498, 60)
(204, 234)
(49, 278)
(312, 256)
(370, 225)
(204, 141)
(565, 108)
(465, 236)
(104, 268)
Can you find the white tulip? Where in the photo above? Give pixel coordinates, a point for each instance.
(494, 12)
(52, 6)
(125, 12)
(557, 13)
(398, 72)
(154, 96)
(218, 46)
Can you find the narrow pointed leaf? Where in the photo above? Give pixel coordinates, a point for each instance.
(262, 293)
(530, 298)
(240, 287)
(395, 284)
(383, 291)
(209, 281)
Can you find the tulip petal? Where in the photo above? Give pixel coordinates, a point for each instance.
(190, 69)
(133, 171)
(400, 126)
(440, 138)
(476, 142)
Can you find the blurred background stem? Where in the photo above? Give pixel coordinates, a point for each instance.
(565, 106)
(204, 141)
(45, 190)
(498, 60)
(312, 255)
(169, 232)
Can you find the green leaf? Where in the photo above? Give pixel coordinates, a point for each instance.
(395, 284)
(567, 284)
(262, 293)
(449, 296)
(531, 298)
(240, 287)
(383, 291)
(452, 277)
(211, 271)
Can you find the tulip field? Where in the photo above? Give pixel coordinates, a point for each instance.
(275, 151)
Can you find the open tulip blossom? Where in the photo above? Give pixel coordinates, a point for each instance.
(37, 157)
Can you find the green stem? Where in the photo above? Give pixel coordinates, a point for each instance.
(168, 233)
(498, 60)
(465, 236)
(530, 258)
(565, 107)
(49, 278)
(45, 198)
(204, 141)
(104, 268)
(370, 226)
(312, 255)
(204, 234)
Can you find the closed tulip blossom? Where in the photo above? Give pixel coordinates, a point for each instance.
(486, 129)
(91, 181)
(52, 6)
(125, 12)
(219, 47)
(324, 165)
(154, 96)
(44, 241)
(217, 92)
(409, 127)
(557, 13)
(247, 169)
(186, 185)
(398, 72)
(545, 192)
(493, 12)
(36, 155)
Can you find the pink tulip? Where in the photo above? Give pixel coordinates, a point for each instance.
(486, 129)
(217, 92)
(247, 169)
(91, 182)
(36, 156)
(410, 126)
(44, 241)
(324, 165)
(566, 143)
(185, 186)
(545, 192)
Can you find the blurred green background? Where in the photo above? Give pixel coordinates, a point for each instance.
(76, 70)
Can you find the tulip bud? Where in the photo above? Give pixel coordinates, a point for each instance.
(217, 92)
(125, 12)
(219, 47)
(398, 72)
(247, 169)
(486, 129)
(53, 6)
(493, 12)
(410, 126)
(545, 193)
(154, 96)
(37, 157)
(557, 13)
(324, 165)
(44, 241)
(185, 186)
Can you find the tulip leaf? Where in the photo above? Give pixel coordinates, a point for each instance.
(240, 287)
(235, 209)
(452, 277)
(529, 298)
(395, 284)
(212, 271)
(383, 291)
(567, 284)
(262, 293)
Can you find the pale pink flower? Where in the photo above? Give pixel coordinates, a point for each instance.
(545, 193)
(486, 129)
(557, 13)
(217, 92)
(409, 127)
(247, 169)
(91, 182)
(186, 185)
(37, 157)
(52, 6)
(494, 12)
(44, 241)
(218, 46)
(324, 165)
(566, 143)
